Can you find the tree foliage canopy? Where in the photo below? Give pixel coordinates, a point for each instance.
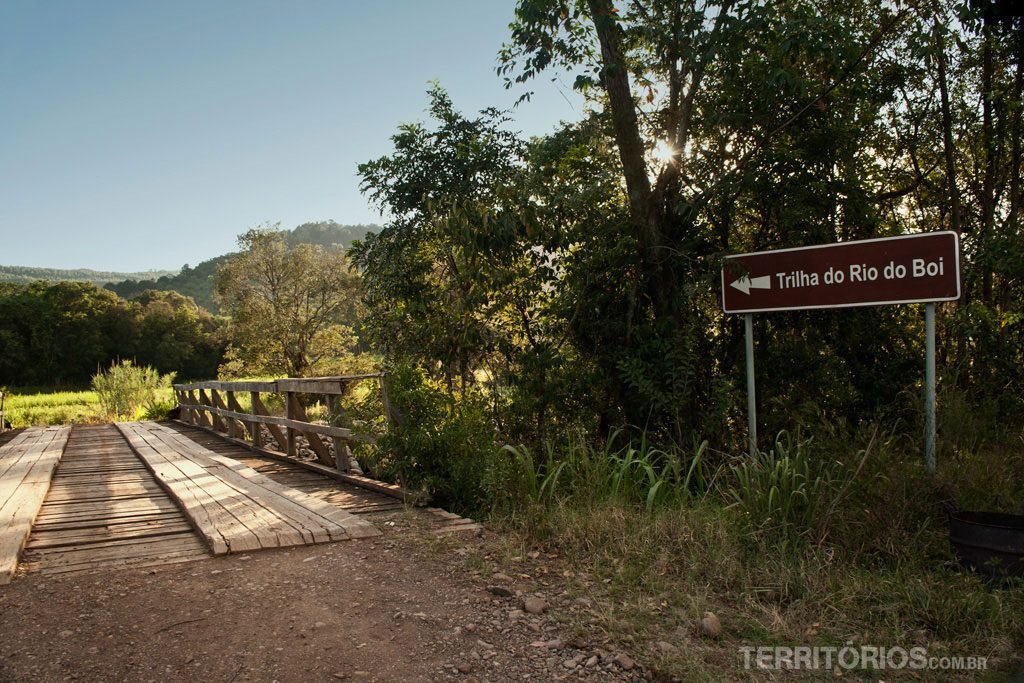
(292, 309)
(60, 333)
(576, 273)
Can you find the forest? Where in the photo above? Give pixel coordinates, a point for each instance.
(59, 334)
(571, 281)
(198, 281)
(25, 275)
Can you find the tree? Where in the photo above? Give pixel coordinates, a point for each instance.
(177, 335)
(427, 272)
(583, 266)
(292, 310)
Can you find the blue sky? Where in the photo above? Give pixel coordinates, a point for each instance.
(139, 135)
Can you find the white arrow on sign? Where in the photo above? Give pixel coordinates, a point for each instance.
(745, 283)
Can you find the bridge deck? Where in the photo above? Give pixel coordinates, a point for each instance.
(232, 506)
(365, 503)
(105, 510)
(27, 463)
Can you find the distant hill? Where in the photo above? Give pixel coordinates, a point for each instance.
(194, 282)
(329, 234)
(198, 282)
(23, 275)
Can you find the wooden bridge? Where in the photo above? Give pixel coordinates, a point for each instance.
(219, 480)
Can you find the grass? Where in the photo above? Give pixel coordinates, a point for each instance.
(652, 576)
(36, 407)
(811, 543)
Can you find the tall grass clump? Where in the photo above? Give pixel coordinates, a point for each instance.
(782, 490)
(126, 390)
(817, 540)
(623, 469)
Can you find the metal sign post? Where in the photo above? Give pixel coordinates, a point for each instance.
(751, 402)
(929, 387)
(920, 268)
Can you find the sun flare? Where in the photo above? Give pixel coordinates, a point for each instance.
(663, 152)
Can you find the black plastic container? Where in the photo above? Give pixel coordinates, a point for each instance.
(989, 543)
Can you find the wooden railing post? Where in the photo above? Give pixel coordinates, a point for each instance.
(390, 414)
(342, 454)
(247, 426)
(275, 431)
(290, 406)
(184, 414)
(228, 424)
(215, 422)
(257, 430)
(202, 415)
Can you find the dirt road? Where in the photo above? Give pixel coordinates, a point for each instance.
(402, 607)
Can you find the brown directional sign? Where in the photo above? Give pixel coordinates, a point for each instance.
(892, 270)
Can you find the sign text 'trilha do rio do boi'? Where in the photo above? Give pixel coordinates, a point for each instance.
(908, 269)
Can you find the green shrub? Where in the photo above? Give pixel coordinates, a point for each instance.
(126, 389)
(158, 410)
(440, 445)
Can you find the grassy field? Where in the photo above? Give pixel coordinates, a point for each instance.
(37, 407)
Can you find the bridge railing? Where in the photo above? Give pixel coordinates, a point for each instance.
(216, 406)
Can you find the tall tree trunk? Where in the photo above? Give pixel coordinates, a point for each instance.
(1016, 133)
(988, 199)
(947, 128)
(644, 207)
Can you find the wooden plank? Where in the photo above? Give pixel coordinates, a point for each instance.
(213, 522)
(186, 496)
(287, 505)
(151, 558)
(23, 488)
(284, 529)
(106, 532)
(126, 563)
(227, 510)
(283, 469)
(262, 387)
(170, 516)
(305, 385)
(322, 385)
(71, 507)
(392, 490)
(271, 528)
(11, 452)
(134, 547)
(292, 499)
